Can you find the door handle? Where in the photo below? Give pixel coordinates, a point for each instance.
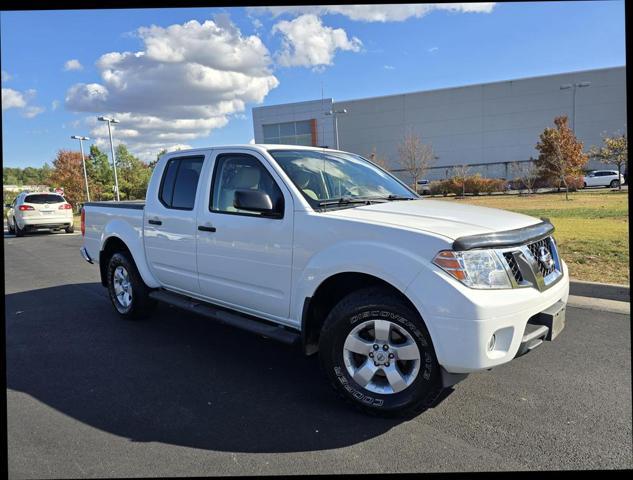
(154, 221)
(204, 228)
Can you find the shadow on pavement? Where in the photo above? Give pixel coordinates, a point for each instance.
(175, 378)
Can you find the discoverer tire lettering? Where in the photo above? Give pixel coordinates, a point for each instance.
(353, 312)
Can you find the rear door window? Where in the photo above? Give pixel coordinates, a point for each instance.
(180, 182)
(42, 198)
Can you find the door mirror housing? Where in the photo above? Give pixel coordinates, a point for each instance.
(256, 201)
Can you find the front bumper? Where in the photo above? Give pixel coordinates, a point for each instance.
(462, 321)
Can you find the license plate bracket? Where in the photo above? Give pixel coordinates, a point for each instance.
(553, 318)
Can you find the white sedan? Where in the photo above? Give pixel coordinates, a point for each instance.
(32, 211)
(603, 178)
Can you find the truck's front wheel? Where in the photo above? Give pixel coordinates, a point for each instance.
(378, 354)
(128, 292)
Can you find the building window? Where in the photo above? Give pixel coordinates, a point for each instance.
(291, 133)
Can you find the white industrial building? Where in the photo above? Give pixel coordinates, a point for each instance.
(487, 126)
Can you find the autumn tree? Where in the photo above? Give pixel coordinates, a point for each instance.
(614, 151)
(68, 173)
(415, 156)
(560, 153)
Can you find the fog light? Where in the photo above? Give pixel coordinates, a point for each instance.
(491, 343)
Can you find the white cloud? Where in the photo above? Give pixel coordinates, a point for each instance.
(389, 67)
(5, 76)
(186, 81)
(308, 43)
(378, 13)
(73, 65)
(32, 111)
(54, 105)
(12, 99)
(20, 100)
(433, 49)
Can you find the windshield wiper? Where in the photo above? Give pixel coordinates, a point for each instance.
(398, 197)
(350, 201)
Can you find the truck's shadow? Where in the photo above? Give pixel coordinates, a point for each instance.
(176, 378)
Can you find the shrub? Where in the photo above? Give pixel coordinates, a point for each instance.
(574, 182)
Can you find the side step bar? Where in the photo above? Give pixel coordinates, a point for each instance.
(226, 317)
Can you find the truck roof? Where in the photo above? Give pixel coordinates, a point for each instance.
(253, 146)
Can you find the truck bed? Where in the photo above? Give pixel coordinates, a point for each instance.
(126, 218)
(136, 204)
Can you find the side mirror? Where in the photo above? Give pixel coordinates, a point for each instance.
(255, 201)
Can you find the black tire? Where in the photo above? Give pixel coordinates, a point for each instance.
(141, 304)
(584, 185)
(70, 229)
(353, 310)
(11, 229)
(19, 232)
(614, 184)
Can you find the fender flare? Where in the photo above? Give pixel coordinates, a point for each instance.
(398, 268)
(132, 238)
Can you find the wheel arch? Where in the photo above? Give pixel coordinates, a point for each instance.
(114, 244)
(329, 292)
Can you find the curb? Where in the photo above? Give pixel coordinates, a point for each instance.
(608, 291)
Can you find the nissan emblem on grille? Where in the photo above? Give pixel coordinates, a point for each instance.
(545, 258)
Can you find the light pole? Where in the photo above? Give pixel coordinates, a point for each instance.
(573, 86)
(83, 160)
(335, 114)
(116, 180)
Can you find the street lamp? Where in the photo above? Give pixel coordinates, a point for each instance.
(83, 160)
(335, 114)
(573, 86)
(116, 181)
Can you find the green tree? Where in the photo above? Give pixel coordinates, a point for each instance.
(153, 163)
(100, 175)
(614, 151)
(45, 173)
(133, 174)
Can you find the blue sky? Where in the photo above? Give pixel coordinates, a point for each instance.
(195, 83)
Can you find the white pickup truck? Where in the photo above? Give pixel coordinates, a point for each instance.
(402, 297)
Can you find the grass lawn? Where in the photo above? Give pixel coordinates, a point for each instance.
(592, 228)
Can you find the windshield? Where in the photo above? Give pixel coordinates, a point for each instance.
(325, 175)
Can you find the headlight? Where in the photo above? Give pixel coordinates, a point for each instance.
(474, 268)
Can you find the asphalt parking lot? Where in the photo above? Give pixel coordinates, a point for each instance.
(90, 395)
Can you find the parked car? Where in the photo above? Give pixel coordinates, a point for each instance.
(603, 178)
(401, 296)
(424, 187)
(35, 211)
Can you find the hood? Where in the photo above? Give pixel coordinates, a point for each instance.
(448, 219)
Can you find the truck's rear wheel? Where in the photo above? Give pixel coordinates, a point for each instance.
(378, 354)
(128, 292)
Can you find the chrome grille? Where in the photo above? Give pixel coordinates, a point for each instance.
(535, 250)
(527, 265)
(514, 266)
